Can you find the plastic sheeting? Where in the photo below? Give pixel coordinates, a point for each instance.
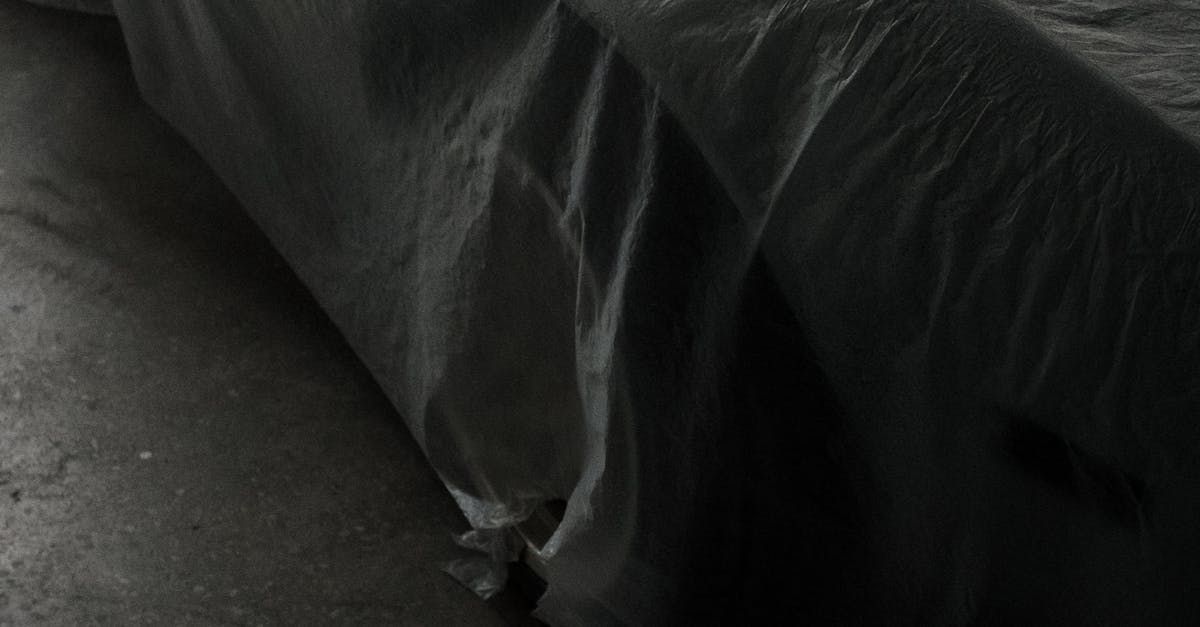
(836, 310)
(1151, 47)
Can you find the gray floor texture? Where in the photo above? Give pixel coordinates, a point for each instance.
(184, 438)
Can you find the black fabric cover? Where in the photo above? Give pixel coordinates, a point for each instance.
(834, 311)
(98, 7)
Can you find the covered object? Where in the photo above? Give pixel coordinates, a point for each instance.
(829, 311)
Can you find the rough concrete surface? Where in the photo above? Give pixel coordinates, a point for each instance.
(184, 438)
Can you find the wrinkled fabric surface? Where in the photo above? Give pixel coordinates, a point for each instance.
(1149, 47)
(837, 310)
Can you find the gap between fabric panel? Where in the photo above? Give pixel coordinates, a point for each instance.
(95, 7)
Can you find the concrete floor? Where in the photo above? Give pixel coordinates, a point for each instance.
(184, 438)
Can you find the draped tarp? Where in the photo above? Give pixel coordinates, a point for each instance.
(837, 310)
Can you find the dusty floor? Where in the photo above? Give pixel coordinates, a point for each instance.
(184, 438)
